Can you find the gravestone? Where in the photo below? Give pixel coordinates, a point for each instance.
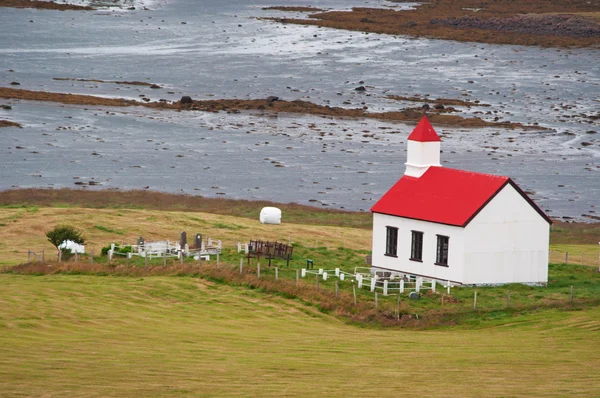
(198, 241)
(140, 241)
(414, 296)
(183, 239)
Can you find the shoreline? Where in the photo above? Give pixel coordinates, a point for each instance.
(270, 105)
(43, 5)
(294, 212)
(8, 123)
(560, 23)
(557, 23)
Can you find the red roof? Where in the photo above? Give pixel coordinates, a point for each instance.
(443, 195)
(424, 132)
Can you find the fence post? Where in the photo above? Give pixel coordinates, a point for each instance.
(475, 299)
(296, 277)
(354, 293)
(76, 256)
(401, 285)
(373, 281)
(258, 270)
(165, 260)
(376, 302)
(399, 306)
(433, 285)
(508, 298)
(146, 260)
(566, 257)
(385, 287)
(336, 288)
(217, 259)
(276, 273)
(317, 281)
(241, 265)
(92, 257)
(42, 256)
(180, 257)
(128, 259)
(59, 255)
(571, 295)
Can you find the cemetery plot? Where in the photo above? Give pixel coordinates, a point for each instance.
(268, 250)
(200, 249)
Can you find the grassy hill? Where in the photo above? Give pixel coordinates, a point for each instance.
(77, 335)
(117, 330)
(121, 216)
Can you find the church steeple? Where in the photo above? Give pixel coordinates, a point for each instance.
(423, 147)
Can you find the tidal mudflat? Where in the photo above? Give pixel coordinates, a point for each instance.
(220, 50)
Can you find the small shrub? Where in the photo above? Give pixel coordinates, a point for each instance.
(61, 233)
(104, 250)
(65, 254)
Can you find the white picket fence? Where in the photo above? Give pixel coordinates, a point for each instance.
(385, 282)
(342, 275)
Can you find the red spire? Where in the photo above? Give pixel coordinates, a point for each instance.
(424, 132)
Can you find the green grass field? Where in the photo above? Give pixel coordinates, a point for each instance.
(71, 330)
(75, 335)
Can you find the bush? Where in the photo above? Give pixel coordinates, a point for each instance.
(65, 254)
(122, 250)
(61, 233)
(105, 250)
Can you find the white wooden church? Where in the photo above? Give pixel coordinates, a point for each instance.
(458, 226)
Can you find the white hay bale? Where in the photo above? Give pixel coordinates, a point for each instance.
(270, 215)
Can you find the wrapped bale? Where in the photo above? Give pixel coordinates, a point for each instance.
(270, 215)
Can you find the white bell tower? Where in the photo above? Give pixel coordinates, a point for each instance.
(423, 147)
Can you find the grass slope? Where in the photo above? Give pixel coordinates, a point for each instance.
(108, 216)
(163, 336)
(23, 228)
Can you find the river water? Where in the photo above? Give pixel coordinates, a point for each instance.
(210, 49)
